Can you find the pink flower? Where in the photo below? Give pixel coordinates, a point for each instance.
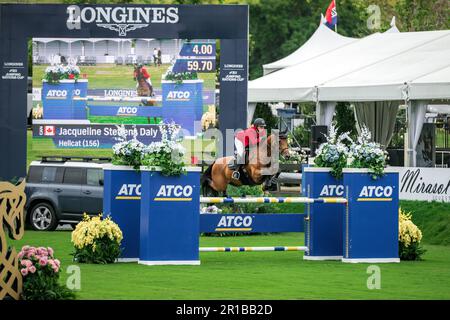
(25, 248)
(57, 262)
(24, 271)
(43, 261)
(31, 252)
(32, 269)
(50, 251)
(41, 251)
(55, 269)
(26, 263)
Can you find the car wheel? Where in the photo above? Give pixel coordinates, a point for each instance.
(43, 217)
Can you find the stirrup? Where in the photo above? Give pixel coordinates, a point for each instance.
(236, 175)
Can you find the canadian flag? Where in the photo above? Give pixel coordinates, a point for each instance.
(49, 130)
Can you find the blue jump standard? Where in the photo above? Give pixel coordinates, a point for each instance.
(323, 223)
(121, 200)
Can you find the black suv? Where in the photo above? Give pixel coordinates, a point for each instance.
(60, 189)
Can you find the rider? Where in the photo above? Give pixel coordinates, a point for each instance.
(243, 141)
(140, 70)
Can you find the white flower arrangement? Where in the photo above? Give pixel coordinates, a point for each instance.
(366, 154)
(210, 209)
(167, 153)
(128, 152)
(333, 153)
(57, 72)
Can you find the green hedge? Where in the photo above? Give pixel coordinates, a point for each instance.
(433, 219)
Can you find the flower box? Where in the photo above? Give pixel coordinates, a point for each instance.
(58, 99)
(122, 200)
(371, 219)
(323, 225)
(169, 233)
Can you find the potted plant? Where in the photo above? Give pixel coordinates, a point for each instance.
(60, 85)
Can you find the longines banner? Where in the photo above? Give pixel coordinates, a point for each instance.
(428, 184)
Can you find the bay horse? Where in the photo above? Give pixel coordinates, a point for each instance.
(217, 177)
(143, 89)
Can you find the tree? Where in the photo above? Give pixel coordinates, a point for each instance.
(345, 119)
(278, 28)
(263, 111)
(421, 15)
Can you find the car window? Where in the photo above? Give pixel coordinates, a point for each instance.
(94, 176)
(35, 174)
(73, 176)
(49, 174)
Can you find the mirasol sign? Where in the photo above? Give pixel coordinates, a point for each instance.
(120, 19)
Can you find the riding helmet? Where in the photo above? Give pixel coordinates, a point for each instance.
(259, 122)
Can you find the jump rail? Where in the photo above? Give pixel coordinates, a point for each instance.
(271, 200)
(247, 249)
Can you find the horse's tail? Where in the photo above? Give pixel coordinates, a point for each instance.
(206, 179)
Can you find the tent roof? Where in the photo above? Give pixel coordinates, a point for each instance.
(388, 78)
(373, 68)
(322, 41)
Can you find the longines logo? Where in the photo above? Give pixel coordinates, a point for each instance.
(120, 19)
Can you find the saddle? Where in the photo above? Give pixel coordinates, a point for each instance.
(244, 176)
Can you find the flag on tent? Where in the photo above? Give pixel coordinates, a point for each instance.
(331, 15)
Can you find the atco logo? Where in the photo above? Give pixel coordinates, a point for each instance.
(228, 222)
(178, 96)
(120, 19)
(127, 111)
(376, 193)
(57, 94)
(129, 191)
(174, 193)
(332, 191)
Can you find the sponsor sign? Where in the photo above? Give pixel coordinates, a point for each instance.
(174, 193)
(120, 19)
(426, 184)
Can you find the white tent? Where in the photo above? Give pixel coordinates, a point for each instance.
(392, 78)
(321, 42)
(411, 67)
(368, 64)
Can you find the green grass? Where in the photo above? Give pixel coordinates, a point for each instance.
(254, 275)
(122, 120)
(433, 218)
(118, 77)
(440, 138)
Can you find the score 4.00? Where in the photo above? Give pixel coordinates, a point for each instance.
(200, 65)
(203, 49)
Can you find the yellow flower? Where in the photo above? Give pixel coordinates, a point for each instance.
(92, 228)
(408, 232)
